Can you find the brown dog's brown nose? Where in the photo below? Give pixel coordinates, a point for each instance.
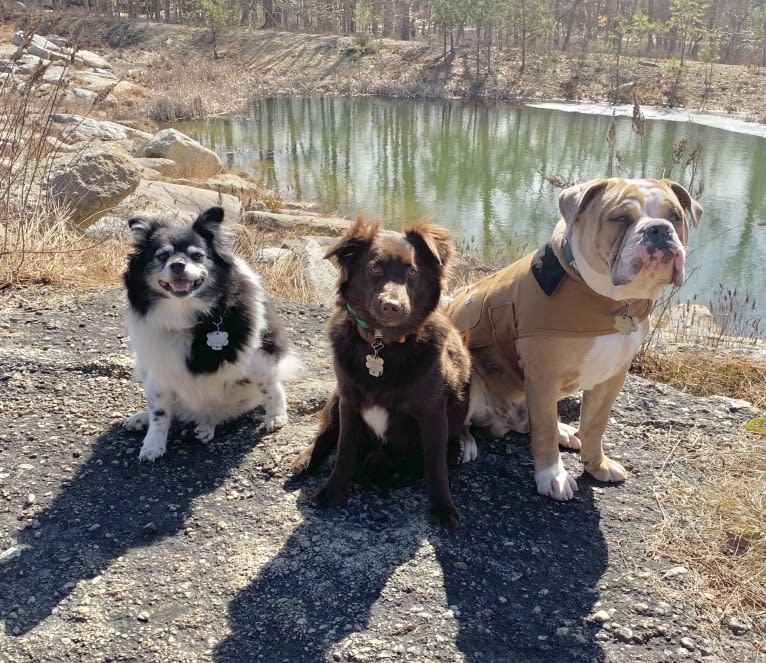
(391, 306)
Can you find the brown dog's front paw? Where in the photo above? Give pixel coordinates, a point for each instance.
(606, 469)
(327, 496)
(446, 515)
(300, 463)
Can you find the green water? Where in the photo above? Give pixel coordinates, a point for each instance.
(476, 168)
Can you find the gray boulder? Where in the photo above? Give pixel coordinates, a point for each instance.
(193, 159)
(93, 181)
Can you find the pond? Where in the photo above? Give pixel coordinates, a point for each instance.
(480, 170)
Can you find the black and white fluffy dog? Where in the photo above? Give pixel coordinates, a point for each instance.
(207, 343)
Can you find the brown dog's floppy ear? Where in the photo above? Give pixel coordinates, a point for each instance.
(687, 202)
(360, 234)
(437, 240)
(575, 199)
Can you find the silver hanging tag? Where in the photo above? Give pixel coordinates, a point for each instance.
(624, 323)
(374, 363)
(218, 339)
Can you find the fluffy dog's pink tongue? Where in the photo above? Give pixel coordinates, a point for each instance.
(181, 285)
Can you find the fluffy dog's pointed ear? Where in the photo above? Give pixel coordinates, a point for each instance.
(358, 236)
(141, 228)
(575, 199)
(438, 241)
(209, 225)
(692, 207)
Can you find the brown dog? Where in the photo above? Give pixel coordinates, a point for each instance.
(571, 317)
(402, 369)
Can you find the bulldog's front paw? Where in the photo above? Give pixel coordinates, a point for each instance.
(468, 449)
(606, 469)
(556, 482)
(137, 422)
(153, 447)
(568, 437)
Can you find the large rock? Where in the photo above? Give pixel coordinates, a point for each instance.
(274, 222)
(194, 160)
(93, 181)
(321, 275)
(79, 129)
(176, 201)
(90, 59)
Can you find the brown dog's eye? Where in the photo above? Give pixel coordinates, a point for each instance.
(623, 218)
(375, 269)
(412, 273)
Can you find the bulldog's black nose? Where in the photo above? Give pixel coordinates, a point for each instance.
(659, 234)
(177, 267)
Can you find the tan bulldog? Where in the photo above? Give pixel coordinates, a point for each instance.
(571, 317)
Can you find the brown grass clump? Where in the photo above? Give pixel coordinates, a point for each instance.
(713, 505)
(705, 374)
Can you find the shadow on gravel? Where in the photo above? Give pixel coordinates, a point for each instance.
(519, 574)
(113, 503)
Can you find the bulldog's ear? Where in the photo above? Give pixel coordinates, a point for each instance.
(692, 207)
(575, 199)
(437, 241)
(356, 239)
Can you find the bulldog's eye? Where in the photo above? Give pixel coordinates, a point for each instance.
(674, 218)
(623, 218)
(375, 269)
(412, 273)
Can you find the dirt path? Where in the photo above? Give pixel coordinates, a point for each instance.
(212, 554)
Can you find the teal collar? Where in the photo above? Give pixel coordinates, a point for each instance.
(359, 321)
(569, 255)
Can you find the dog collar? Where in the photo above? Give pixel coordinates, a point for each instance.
(365, 331)
(566, 249)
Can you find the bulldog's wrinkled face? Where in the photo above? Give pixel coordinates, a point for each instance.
(628, 237)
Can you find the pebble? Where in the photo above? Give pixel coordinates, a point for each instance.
(143, 616)
(739, 625)
(688, 643)
(462, 566)
(600, 617)
(624, 634)
(9, 554)
(31, 499)
(675, 571)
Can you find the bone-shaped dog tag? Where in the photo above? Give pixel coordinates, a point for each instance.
(374, 365)
(625, 324)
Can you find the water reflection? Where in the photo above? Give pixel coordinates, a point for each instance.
(479, 168)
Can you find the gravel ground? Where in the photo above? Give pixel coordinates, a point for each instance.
(212, 553)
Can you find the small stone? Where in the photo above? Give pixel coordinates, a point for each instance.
(462, 566)
(150, 528)
(675, 571)
(688, 643)
(739, 625)
(9, 554)
(562, 631)
(31, 499)
(624, 634)
(600, 617)
(143, 616)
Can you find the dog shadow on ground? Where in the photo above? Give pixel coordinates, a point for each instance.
(515, 582)
(113, 504)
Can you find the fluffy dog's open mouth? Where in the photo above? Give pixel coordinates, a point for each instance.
(182, 286)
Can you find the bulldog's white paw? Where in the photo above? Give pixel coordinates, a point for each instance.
(139, 421)
(607, 470)
(556, 482)
(568, 437)
(153, 447)
(470, 448)
(204, 432)
(274, 422)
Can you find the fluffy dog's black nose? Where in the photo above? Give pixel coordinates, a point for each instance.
(177, 267)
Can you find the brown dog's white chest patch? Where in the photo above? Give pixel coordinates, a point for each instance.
(377, 419)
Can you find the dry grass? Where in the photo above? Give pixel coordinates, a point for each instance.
(713, 504)
(707, 374)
